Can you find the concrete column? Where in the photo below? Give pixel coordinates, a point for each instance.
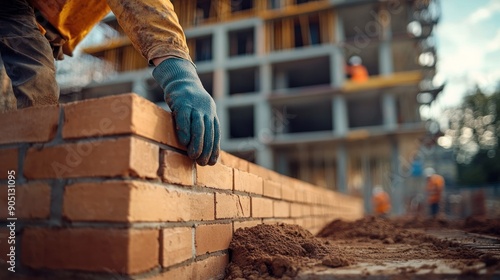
(385, 58)
(338, 28)
(263, 133)
(385, 48)
(223, 115)
(260, 38)
(219, 48)
(341, 168)
(367, 181)
(397, 180)
(389, 111)
(337, 59)
(340, 118)
(337, 71)
(265, 79)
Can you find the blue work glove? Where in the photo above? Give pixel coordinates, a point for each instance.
(192, 107)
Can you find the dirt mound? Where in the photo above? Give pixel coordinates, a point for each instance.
(278, 251)
(368, 229)
(482, 225)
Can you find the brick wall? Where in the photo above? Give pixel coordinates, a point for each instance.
(103, 188)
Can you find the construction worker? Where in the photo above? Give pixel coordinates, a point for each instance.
(356, 71)
(434, 188)
(381, 201)
(154, 30)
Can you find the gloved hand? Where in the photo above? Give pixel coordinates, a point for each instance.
(192, 107)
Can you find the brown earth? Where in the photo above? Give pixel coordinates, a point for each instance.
(285, 251)
(278, 251)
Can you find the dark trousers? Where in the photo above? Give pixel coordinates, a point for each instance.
(26, 55)
(434, 209)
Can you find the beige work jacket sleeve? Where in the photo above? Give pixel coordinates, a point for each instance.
(152, 26)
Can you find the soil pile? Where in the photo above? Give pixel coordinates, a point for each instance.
(474, 224)
(378, 230)
(278, 251)
(482, 225)
(370, 245)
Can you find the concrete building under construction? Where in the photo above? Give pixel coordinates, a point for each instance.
(277, 71)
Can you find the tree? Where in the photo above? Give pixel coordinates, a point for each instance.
(475, 132)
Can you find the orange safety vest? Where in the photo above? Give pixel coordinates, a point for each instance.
(72, 18)
(151, 25)
(381, 203)
(435, 185)
(358, 73)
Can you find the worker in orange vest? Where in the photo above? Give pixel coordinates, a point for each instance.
(34, 32)
(356, 71)
(381, 201)
(434, 188)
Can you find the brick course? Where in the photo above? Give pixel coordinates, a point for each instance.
(8, 162)
(125, 156)
(131, 203)
(177, 245)
(176, 168)
(211, 238)
(218, 176)
(231, 206)
(247, 182)
(32, 201)
(128, 251)
(39, 124)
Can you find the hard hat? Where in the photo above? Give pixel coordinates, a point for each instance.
(429, 171)
(377, 189)
(355, 60)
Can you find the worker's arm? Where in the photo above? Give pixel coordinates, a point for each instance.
(154, 30)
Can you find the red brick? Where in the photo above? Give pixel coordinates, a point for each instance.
(295, 210)
(119, 114)
(217, 176)
(246, 224)
(247, 182)
(300, 190)
(211, 268)
(132, 201)
(211, 238)
(262, 207)
(127, 251)
(182, 272)
(177, 245)
(281, 209)
(272, 189)
(307, 223)
(231, 206)
(34, 124)
(176, 168)
(259, 171)
(32, 201)
(125, 156)
(4, 245)
(287, 191)
(233, 161)
(306, 210)
(201, 206)
(8, 162)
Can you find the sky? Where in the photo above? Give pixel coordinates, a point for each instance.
(468, 46)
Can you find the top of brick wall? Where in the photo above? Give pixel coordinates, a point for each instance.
(112, 115)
